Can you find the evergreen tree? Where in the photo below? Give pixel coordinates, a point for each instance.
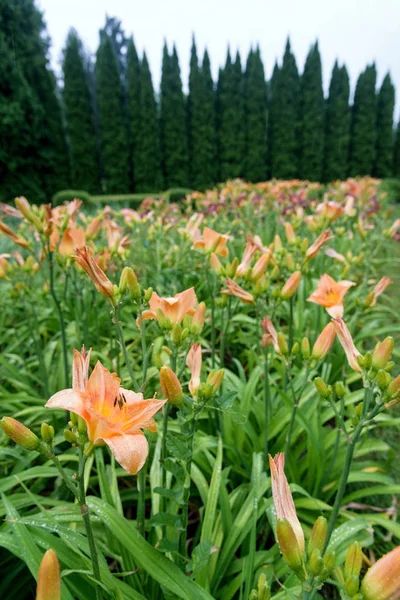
(113, 135)
(201, 123)
(23, 27)
(255, 98)
(79, 117)
(174, 143)
(113, 29)
(396, 153)
(148, 175)
(231, 134)
(311, 124)
(270, 92)
(284, 119)
(337, 126)
(133, 76)
(384, 126)
(363, 126)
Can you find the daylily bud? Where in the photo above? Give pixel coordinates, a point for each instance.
(148, 294)
(382, 379)
(369, 300)
(305, 348)
(24, 207)
(318, 536)
(259, 268)
(128, 281)
(351, 585)
(20, 434)
(352, 566)
(47, 433)
(290, 261)
(216, 264)
(295, 348)
(324, 342)
(198, 319)
(340, 390)
(277, 243)
(291, 285)
(329, 562)
(322, 389)
(282, 343)
(263, 589)
(290, 234)
(214, 380)
(176, 334)
(316, 563)
(49, 581)
(382, 353)
(170, 386)
(70, 437)
(275, 273)
(84, 257)
(382, 581)
(289, 545)
(394, 387)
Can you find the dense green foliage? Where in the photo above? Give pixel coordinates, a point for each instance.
(79, 115)
(284, 119)
(114, 132)
(363, 124)
(174, 145)
(311, 125)
(337, 125)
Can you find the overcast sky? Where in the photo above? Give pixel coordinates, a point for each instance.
(356, 32)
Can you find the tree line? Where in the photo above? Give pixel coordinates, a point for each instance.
(105, 129)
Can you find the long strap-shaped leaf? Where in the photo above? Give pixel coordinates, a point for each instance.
(155, 564)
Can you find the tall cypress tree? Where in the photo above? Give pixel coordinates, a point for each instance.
(255, 110)
(311, 124)
(174, 143)
(133, 77)
(231, 135)
(270, 92)
(384, 127)
(396, 153)
(113, 135)
(209, 132)
(363, 126)
(337, 125)
(284, 119)
(148, 175)
(79, 117)
(23, 27)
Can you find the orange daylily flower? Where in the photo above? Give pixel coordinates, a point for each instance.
(94, 227)
(235, 290)
(330, 209)
(317, 245)
(114, 416)
(174, 308)
(382, 581)
(193, 362)
(17, 239)
(73, 237)
(4, 264)
(86, 260)
(248, 254)
(212, 241)
(330, 294)
(282, 497)
(347, 343)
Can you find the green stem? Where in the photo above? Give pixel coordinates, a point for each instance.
(267, 404)
(346, 470)
(71, 486)
(296, 403)
(60, 316)
(224, 333)
(211, 291)
(290, 324)
(142, 501)
(124, 350)
(186, 491)
(88, 525)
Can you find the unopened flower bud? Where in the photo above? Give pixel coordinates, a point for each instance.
(351, 585)
(318, 536)
(198, 319)
(70, 437)
(290, 261)
(232, 268)
(176, 334)
(289, 546)
(214, 380)
(162, 320)
(329, 562)
(20, 434)
(148, 294)
(128, 282)
(278, 243)
(260, 267)
(323, 390)
(352, 566)
(305, 348)
(316, 563)
(216, 264)
(82, 426)
(275, 273)
(24, 207)
(383, 379)
(394, 387)
(295, 348)
(382, 581)
(263, 589)
(324, 342)
(170, 385)
(382, 353)
(282, 343)
(290, 287)
(47, 433)
(49, 581)
(368, 300)
(290, 234)
(340, 390)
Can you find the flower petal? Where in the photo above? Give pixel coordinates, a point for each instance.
(69, 400)
(139, 412)
(102, 389)
(130, 451)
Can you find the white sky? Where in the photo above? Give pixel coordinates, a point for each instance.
(354, 31)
